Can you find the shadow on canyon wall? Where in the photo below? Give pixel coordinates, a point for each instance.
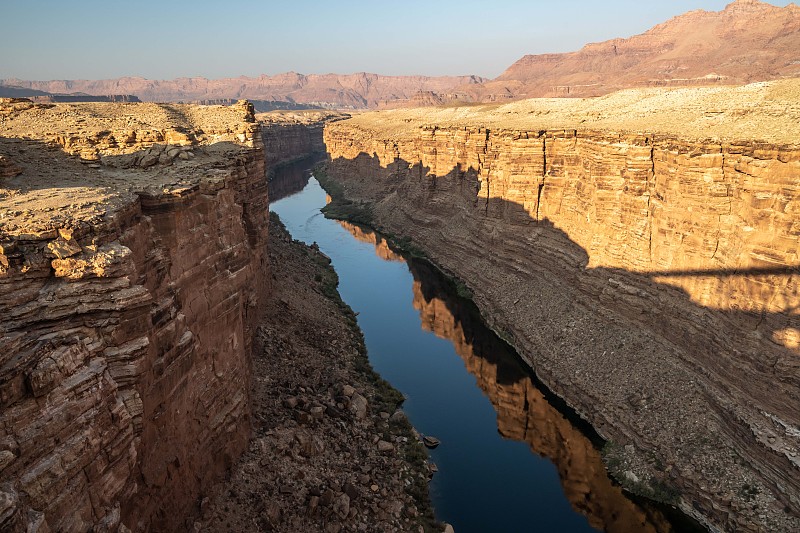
(526, 410)
(747, 357)
(783, 365)
(144, 453)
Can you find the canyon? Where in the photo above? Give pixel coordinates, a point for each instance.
(524, 411)
(133, 253)
(150, 377)
(172, 360)
(638, 250)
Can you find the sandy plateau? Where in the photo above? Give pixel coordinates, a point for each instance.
(764, 111)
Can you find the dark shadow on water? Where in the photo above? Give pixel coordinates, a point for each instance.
(290, 178)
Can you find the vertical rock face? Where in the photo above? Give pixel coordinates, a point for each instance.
(650, 280)
(131, 280)
(284, 142)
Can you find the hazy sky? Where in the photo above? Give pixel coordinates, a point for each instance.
(92, 39)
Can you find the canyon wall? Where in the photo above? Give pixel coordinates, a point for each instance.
(286, 142)
(133, 271)
(650, 280)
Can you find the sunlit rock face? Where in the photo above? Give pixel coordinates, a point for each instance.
(650, 280)
(132, 275)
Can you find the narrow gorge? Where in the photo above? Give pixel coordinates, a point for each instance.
(640, 251)
(133, 275)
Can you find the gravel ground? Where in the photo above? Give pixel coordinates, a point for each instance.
(330, 451)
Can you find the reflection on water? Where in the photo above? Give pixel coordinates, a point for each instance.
(488, 479)
(523, 412)
(381, 245)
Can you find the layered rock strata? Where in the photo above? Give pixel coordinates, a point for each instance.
(132, 256)
(289, 136)
(650, 279)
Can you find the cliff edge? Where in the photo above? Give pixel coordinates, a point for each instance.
(132, 250)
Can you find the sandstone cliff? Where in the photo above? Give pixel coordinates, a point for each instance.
(650, 279)
(132, 258)
(289, 136)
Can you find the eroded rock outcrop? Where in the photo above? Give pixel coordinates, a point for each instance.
(650, 279)
(132, 258)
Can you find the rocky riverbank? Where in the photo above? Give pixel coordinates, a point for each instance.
(330, 450)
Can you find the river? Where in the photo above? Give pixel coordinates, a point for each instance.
(512, 457)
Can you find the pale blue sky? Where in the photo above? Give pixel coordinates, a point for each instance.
(94, 39)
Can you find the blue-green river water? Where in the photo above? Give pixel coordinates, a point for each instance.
(509, 460)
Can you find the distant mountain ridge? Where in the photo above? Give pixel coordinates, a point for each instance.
(357, 91)
(748, 41)
(11, 91)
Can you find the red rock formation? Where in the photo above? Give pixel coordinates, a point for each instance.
(748, 41)
(130, 298)
(650, 280)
